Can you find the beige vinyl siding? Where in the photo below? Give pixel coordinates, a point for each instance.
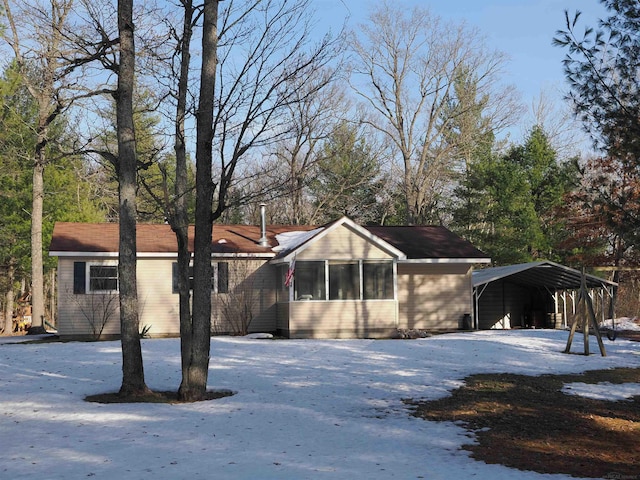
(283, 318)
(159, 307)
(76, 313)
(339, 318)
(433, 296)
(342, 244)
(342, 319)
(251, 296)
(251, 286)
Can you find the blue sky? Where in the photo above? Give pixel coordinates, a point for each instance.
(523, 29)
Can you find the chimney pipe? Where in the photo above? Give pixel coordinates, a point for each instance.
(263, 242)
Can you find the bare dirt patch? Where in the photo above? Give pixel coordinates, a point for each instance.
(527, 423)
(152, 397)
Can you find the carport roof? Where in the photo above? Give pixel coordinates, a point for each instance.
(539, 274)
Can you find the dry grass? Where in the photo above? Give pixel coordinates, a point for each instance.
(527, 423)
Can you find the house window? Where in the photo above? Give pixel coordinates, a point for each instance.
(344, 281)
(219, 277)
(95, 277)
(377, 279)
(309, 281)
(103, 278)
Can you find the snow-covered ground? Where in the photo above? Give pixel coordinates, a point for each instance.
(303, 409)
(624, 323)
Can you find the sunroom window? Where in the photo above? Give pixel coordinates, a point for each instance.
(377, 280)
(344, 281)
(339, 280)
(309, 281)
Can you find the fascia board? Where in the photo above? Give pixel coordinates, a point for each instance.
(158, 255)
(444, 260)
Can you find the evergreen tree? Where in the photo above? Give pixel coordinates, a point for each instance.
(602, 69)
(66, 191)
(549, 181)
(348, 179)
(155, 167)
(16, 147)
(508, 202)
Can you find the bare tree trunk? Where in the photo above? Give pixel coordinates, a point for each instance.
(37, 272)
(196, 367)
(132, 366)
(179, 220)
(9, 301)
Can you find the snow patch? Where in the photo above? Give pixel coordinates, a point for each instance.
(258, 336)
(603, 391)
(291, 240)
(623, 323)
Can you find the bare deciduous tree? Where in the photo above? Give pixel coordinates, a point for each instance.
(312, 119)
(559, 123)
(97, 309)
(405, 66)
(196, 366)
(53, 68)
(249, 63)
(239, 304)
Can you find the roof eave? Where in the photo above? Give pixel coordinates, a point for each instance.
(445, 260)
(254, 255)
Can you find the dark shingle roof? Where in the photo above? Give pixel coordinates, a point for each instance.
(154, 238)
(427, 242)
(420, 242)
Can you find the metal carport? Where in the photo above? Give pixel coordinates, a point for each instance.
(504, 296)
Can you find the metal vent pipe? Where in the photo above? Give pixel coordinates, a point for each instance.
(263, 242)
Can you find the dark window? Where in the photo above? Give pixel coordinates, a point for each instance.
(223, 277)
(344, 281)
(377, 280)
(309, 281)
(103, 278)
(79, 277)
(348, 280)
(219, 277)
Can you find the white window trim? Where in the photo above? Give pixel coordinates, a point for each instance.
(87, 277)
(361, 262)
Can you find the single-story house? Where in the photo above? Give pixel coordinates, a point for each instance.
(539, 294)
(340, 280)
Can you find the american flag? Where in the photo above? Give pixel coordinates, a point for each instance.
(288, 279)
